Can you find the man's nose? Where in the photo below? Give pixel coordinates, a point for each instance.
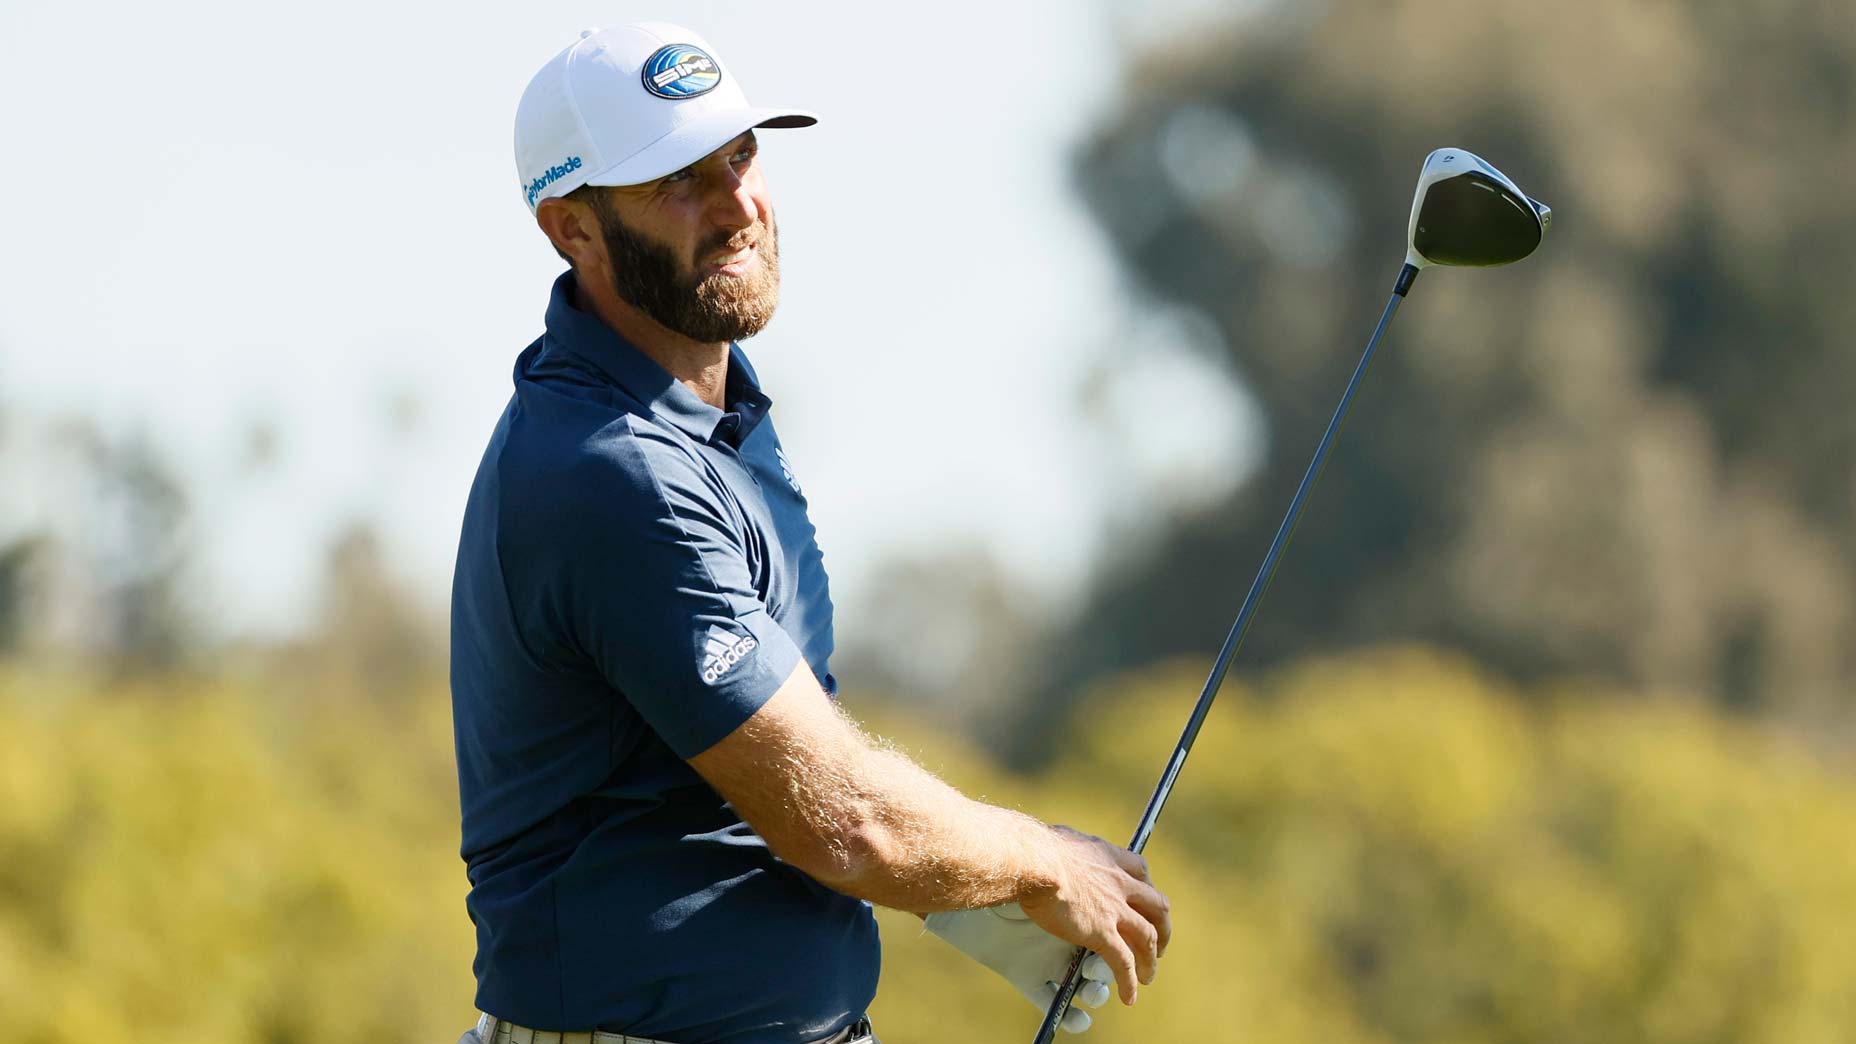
(734, 206)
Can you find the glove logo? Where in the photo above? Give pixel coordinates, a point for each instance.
(722, 651)
(679, 71)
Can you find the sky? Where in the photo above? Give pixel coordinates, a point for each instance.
(305, 222)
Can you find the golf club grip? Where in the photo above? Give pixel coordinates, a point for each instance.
(1066, 990)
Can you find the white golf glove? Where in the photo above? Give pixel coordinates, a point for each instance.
(1030, 958)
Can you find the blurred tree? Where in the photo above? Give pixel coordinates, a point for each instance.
(375, 638)
(139, 549)
(17, 558)
(1634, 456)
(97, 554)
(946, 634)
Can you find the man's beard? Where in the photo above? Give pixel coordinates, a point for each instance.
(647, 275)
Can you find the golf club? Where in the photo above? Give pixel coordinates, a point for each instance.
(1465, 213)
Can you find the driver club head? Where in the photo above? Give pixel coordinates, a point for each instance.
(1468, 213)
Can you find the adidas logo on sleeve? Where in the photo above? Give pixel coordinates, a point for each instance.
(722, 651)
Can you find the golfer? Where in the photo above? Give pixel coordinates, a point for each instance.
(671, 830)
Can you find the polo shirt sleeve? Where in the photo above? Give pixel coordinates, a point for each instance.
(650, 580)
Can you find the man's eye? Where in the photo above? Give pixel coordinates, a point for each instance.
(745, 156)
(682, 175)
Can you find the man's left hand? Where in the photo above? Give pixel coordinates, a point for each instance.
(1030, 958)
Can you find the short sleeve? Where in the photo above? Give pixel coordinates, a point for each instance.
(651, 581)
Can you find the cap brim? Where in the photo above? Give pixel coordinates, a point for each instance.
(693, 140)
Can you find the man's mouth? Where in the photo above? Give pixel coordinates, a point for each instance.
(734, 261)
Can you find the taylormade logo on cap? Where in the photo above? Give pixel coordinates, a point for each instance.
(550, 176)
(629, 105)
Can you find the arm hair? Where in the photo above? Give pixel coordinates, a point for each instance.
(863, 818)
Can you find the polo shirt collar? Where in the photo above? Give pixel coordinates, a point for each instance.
(587, 336)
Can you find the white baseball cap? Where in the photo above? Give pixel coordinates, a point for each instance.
(629, 105)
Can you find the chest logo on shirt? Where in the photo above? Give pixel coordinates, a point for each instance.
(786, 468)
(722, 651)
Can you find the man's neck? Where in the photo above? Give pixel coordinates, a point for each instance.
(702, 367)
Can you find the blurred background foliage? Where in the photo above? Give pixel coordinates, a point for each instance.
(1634, 457)
(1543, 735)
(1386, 846)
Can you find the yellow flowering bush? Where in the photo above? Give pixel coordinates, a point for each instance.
(1385, 847)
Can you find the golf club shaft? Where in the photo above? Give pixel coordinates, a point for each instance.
(1066, 991)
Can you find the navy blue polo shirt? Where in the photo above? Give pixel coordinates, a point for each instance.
(636, 576)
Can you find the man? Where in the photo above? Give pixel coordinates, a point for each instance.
(671, 831)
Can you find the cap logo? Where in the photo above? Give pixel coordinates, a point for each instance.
(680, 71)
(550, 176)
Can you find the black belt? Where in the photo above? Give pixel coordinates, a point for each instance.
(492, 1030)
(858, 1033)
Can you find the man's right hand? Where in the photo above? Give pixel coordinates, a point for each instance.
(1106, 902)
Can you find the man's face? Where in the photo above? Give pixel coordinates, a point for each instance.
(697, 250)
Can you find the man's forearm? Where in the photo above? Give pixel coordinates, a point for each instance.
(921, 845)
(866, 820)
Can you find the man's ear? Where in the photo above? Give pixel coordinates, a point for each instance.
(570, 225)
